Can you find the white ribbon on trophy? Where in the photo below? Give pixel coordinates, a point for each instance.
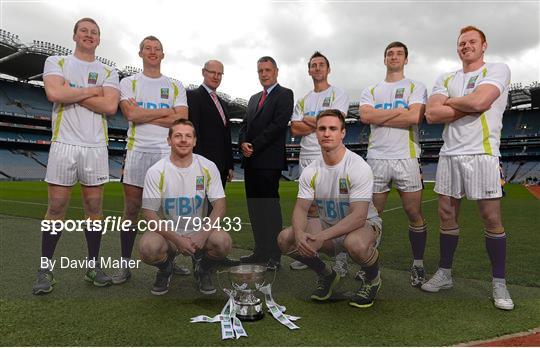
(231, 326)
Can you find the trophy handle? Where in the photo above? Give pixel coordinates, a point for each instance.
(227, 291)
(273, 279)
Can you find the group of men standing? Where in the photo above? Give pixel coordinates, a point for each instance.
(178, 161)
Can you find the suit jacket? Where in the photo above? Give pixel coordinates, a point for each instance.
(266, 129)
(213, 137)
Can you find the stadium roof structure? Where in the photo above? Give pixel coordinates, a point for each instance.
(25, 63)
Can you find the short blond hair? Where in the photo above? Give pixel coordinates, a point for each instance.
(85, 19)
(151, 38)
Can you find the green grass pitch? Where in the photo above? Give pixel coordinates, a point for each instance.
(76, 313)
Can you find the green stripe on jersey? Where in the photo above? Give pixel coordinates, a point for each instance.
(57, 123)
(412, 150)
(485, 135)
(131, 137)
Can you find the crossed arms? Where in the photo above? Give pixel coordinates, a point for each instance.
(397, 118)
(101, 100)
(442, 109)
(159, 117)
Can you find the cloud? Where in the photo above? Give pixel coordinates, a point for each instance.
(353, 34)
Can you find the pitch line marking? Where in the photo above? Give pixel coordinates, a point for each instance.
(44, 204)
(401, 207)
(119, 211)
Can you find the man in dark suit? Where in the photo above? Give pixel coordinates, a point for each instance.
(262, 142)
(208, 113)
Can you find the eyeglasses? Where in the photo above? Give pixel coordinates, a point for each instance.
(212, 72)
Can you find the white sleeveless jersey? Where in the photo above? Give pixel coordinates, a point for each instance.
(333, 188)
(311, 105)
(390, 142)
(182, 192)
(151, 93)
(475, 134)
(72, 123)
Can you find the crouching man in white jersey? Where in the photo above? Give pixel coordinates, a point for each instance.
(471, 102)
(180, 185)
(323, 97)
(83, 91)
(151, 102)
(394, 108)
(341, 185)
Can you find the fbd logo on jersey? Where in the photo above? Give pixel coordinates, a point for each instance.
(399, 93)
(199, 183)
(472, 82)
(164, 93)
(92, 78)
(343, 189)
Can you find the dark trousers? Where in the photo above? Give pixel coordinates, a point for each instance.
(262, 192)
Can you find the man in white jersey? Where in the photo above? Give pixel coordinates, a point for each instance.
(394, 108)
(322, 97)
(341, 185)
(180, 185)
(471, 102)
(83, 91)
(151, 102)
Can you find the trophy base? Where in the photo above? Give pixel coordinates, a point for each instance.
(250, 317)
(249, 312)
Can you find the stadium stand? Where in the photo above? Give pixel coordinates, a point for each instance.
(25, 124)
(17, 165)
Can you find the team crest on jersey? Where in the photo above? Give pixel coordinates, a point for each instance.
(472, 82)
(399, 93)
(326, 102)
(199, 183)
(343, 189)
(164, 93)
(92, 78)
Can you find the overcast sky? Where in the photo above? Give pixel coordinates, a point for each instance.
(352, 34)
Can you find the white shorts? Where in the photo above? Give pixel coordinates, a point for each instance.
(474, 176)
(136, 164)
(68, 164)
(315, 226)
(404, 173)
(304, 161)
(376, 225)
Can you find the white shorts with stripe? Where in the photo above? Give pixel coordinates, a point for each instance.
(375, 223)
(314, 226)
(474, 176)
(404, 173)
(304, 161)
(68, 164)
(136, 164)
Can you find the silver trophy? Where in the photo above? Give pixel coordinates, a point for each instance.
(244, 281)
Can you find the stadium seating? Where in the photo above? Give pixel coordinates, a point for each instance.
(18, 97)
(18, 166)
(526, 170)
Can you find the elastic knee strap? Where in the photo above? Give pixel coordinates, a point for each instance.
(450, 231)
(371, 259)
(494, 234)
(418, 229)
